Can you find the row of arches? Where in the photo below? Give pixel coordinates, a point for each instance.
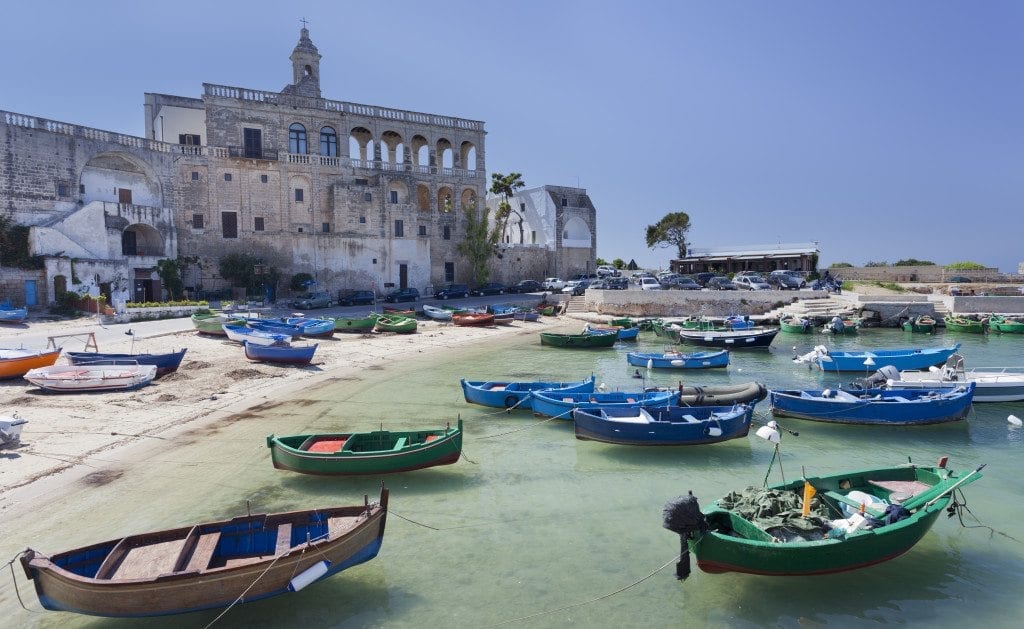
(390, 148)
(444, 201)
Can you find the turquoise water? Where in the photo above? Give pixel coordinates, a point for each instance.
(536, 521)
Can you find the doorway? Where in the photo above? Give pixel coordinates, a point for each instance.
(30, 293)
(403, 276)
(124, 195)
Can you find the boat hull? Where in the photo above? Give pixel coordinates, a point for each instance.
(279, 353)
(82, 379)
(212, 324)
(674, 426)
(969, 326)
(16, 363)
(729, 339)
(875, 406)
(473, 320)
(694, 360)
(587, 341)
(16, 315)
(990, 384)
(516, 394)
(165, 363)
(561, 405)
(901, 359)
(395, 323)
(343, 324)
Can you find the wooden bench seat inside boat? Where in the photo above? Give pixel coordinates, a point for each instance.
(400, 443)
(141, 562)
(901, 490)
(284, 538)
(338, 526)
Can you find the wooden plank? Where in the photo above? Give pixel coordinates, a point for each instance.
(203, 552)
(284, 538)
(112, 560)
(338, 526)
(150, 560)
(186, 549)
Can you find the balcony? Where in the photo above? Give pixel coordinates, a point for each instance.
(242, 152)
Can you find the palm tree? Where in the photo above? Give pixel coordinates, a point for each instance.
(505, 186)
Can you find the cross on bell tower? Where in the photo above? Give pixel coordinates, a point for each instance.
(305, 65)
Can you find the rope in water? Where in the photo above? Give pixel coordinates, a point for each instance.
(959, 505)
(14, 579)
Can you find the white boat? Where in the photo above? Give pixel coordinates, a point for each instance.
(440, 314)
(992, 384)
(10, 431)
(82, 378)
(241, 334)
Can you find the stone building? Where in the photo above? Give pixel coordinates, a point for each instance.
(358, 196)
(763, 258)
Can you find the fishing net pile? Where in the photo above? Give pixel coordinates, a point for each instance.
(778, 512)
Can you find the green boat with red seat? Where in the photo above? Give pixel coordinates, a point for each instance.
(361, 453)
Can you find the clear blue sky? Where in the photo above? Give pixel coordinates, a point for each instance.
(882, 130)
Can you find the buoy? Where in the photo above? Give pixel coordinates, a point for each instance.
(308, 576)
(1013, 419)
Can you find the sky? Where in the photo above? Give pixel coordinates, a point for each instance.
(881, 130)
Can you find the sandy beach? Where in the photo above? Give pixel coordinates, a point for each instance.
(70, 437)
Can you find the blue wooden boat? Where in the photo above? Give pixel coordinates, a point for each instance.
(13, 315)
(679, 360)
(517, 394)
(561, 405)
(278, 327)
(621, 334)
(290, 354)
(165, 363)
(320, 328)
(241, 334)
(906, 358)
(875, 406)
(737, 322)
(663, 426)
(525, 315)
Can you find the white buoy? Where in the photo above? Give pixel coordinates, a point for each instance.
(601, 387)
(308, 576)
(1013, 419)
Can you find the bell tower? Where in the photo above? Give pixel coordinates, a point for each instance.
(305, 66)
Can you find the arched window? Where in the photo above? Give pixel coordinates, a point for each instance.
(297, 139)
(328, 142)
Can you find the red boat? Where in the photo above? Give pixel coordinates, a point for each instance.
(477, 320)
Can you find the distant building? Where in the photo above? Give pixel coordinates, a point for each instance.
(765, 258)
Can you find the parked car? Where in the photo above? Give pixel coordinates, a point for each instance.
(452, 291)
(402, 294)
(312, 300)
(356, 297)
(607, 270)
(784, 280)
(554, 283)
(601, 284)
(750, 282)
(682, 282)
(582, 286)
(640, 276)
(703, 277)
(959, 279)
(490, 288)
(720, 282)
(649, 283)
(569, 285)
(527, 286)
(616, 283)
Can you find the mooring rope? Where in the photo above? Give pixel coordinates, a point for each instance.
(14, 579)
(959, 505)
(533, 425)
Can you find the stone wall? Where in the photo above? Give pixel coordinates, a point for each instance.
(678, 303)
(13, 286)
(928, 273)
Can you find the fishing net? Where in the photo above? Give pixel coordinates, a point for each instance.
(779, 512)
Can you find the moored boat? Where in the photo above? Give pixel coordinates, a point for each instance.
(208, 565)
(922, 324)
(165, 363)
(604, 339)
(17, 362)
(956, 323)
(1006, 325)
(289, 354)
(473, 319)
(360, 453)
(839, 325)
(395, 323)
(622, 334)
(90, 378)
(503, 394)
(730, 339)
(883, 407)
(902, 358)
(558, 404)
(991, 384)
(721, 394)
(663, 426)
(679, 360)
(796, 325)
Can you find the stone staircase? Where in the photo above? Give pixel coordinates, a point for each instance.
(819, 308)
(576, 304)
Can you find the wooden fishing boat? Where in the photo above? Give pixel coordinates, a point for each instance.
(243, 334)
(13, 315)
(165, 363)
(401, 312)
(473, 319)
(525, 315)
(730, 339)
(671, 426)
(883, 407)
(395, 323)
(15, 363)
(355, 324)
(498, 394)
(209, 565)
(841, 326)
(210, 323)
(903, 358)
(505, 318)
(561, 405)
(956, 323)
(289, 354)
(621, 334)
(275, 327)
(313, 328)
(1006, 325)
(922, 324)
(606, 339)
(624, 322)
(548, 310)
(736, 322)
(438, 314)
(796, 325)
(737, 534)
(679, 360)
(360, 453)
(991, 384)
(91, 378)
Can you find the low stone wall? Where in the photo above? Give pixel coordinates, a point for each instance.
(994, 303)
(678, 303)
(928, 273)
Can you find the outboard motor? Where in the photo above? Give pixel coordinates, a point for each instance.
(837, 325)
(878, 379)
(682, 515)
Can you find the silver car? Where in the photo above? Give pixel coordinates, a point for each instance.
(750, 282)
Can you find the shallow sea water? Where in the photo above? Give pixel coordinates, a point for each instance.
(537, 529)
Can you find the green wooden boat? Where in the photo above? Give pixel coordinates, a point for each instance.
(964, 324)
(1006, 325)
(578, 340)
(377, 452)
(624, 323)
(780, 542)
(211, 323)
(395, 323)
(547, 310)
(353, 324)
(922, 324)
(796, 325)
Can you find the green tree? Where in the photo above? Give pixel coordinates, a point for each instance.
(873, 263)
(965, 266)
(840, 265)
(240, 270)
(504, 186)
(169, 270)
(298, 282)
(14, 249)
(478, 245)
(913, 262)
(670, 231)
(601, 262)
(618, 263)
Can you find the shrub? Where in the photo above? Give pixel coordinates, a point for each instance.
(840, 265)
(300, 281)
(965, 266)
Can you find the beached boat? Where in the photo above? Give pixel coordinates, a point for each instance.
(679, 360)
(15, 363)
(289, 354)
(922, 324)
(242, 334)
(796, 325)
(730, 339)
(395, 323)
(208, 565)
(473, 319)
(991, 384)
(604, 339)
(885, 407)
(505, 318)
(548, 310)
(621, 334)
(956, 323)
(360, 453)
(400, 312)
(89, 378)
(663, 426)
(315, 328)
(355, 324)
(211, 323)
(903, 358)
(525, 315)
(438, 314)
(763, 531)
(559, 404)
(504, 394)
(1006, 325)
(10, 430)
(275, 327)
(166, 363)
(13, 315)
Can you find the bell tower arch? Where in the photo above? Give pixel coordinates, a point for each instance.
(305, 66)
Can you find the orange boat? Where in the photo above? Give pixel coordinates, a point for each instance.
(473, 319)
(15, 363)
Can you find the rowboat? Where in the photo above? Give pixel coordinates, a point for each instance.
(242, 334)
(730, 339)
(438, 314)
(738, 534)
(401, 312)
(606, 339)
(679, 360)
(1006, 325)
(922, 324)
(17, 362)
(165, 363)
(841, 326)
(209, 565)
(505, 318)
(559, 404)
(883, 407)
(13, 315)
(663, 426)
(796, 325)
(316, 328)
(360, 453)
(904, 358)
(548, 310)
(499, 394)
(83, 378)
(210, 323)
(525, 315)
(955, 323)
(991, 384)
(473, 319)
(275, 327)
(355, 324)
(721, 394)
(395, 323)
(622, 334)
(290, 354)
(10, 430)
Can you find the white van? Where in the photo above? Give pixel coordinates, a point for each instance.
(649, 283)
(553, 283)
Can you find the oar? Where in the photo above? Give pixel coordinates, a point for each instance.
(955, 485)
